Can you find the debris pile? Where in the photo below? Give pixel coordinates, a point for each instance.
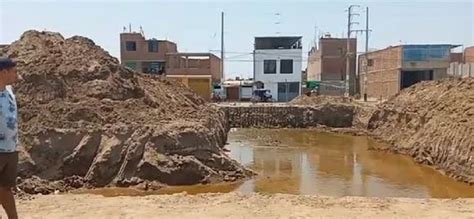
(434, 123)
(83, 115)
(319, 100)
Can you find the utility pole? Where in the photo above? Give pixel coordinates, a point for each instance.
(222, 46)
(350, 15)
(366, 51)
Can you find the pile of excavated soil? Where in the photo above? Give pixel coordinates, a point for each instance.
(361, 112)
(434, 123)
(86, 120)
(319, 100)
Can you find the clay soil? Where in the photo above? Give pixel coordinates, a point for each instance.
(434, 123)
(232, 205)
(87, 121)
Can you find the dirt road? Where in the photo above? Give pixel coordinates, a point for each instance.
(232, 205)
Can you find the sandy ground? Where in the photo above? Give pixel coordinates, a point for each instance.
(233, 205)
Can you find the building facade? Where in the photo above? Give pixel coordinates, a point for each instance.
(327, 64)
(194, 64)
(394, 68)
(198, 71)
(142, 55)
(464, 67)
(278, 65)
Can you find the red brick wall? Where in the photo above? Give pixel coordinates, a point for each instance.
(333, 53)
(383, 78)
(142, 53)
(176, 65)
(469, 55)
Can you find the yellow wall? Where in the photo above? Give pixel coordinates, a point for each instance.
(202, 86)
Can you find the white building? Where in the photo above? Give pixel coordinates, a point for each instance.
(278, 64)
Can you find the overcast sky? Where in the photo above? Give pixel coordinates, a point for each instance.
(195, 25)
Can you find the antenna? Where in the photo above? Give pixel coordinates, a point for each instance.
(222, 45)
(129, 27)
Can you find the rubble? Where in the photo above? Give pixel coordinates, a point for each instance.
(434, 123)
(84, 115)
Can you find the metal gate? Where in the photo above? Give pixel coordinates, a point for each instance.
(287, 91)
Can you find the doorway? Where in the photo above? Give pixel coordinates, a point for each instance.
(409, 78)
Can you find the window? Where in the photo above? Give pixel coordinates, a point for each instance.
(131, 46)
(370, 62)
(153, 67)
(286, 66)
(153, 46)
(294, 87)
(269, 66)
(131, 65)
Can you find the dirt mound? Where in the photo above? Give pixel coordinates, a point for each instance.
(434, 123)
(319, 99)
(83, 114)
(361, 112)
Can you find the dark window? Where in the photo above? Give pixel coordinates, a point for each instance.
(132, 65)
(370, 62)
(286, 66)
(131, 45)
(269, 66)
(153, 67)
(294, 87)
(153, 46)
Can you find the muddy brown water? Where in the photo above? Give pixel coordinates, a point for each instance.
(301, 161)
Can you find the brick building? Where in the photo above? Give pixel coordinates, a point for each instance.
(194, 64)
(198, 71)
(142, 55)
(327, 63)
(469, 55)
(394, 68)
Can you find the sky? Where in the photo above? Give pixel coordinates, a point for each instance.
(195, 24)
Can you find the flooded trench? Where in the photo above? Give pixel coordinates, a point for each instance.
(303, 161)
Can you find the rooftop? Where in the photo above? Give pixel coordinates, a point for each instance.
(278, 42)
(414, 46)
(142, 36)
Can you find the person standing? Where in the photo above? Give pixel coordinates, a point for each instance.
(8, 137)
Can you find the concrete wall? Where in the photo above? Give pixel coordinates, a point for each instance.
(440, 73)
(271, 80)
(424, 65)
(461, 70)
(383, 78)
(261, 116)
(332, 88)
